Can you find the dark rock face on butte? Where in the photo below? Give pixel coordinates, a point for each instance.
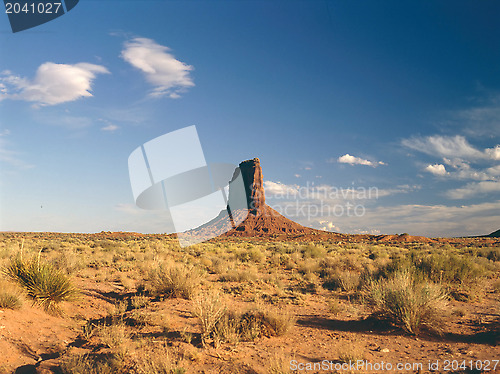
(251, 171)
(262, 220)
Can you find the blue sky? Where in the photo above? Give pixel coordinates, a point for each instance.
(399, 96)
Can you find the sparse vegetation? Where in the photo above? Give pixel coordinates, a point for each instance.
(141, 292)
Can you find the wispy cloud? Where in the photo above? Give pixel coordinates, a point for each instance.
(109, 126)
(452, 147)
(169, 76)
(463, 162)
(328, 194)
(53, 83)
(427, 220)
(482, 120)
(334, 208)
(8, 156)
(353, 160)
(474, 189)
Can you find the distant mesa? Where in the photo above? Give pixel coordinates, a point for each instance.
(495, 234)
(257, 219)
(261, 220)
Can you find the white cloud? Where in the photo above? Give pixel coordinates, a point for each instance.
(168, 75)
(353, 160)
(53, 83)
(474, 189)
(279, 189)
(451, 146)
(436, 169)
(110, 128)
(493, 153)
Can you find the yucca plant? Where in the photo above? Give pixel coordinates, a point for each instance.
(46, 285)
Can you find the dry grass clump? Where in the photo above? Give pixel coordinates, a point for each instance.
(407, 302)
(335, 307)
(279, 363)
(220, 324)
(175, 280)
(247, 275)
(461, 275)
(114, 336)
(313, 251)
(450, 268)
(159, 361)
(348, 281)
(10, 296)
(350, 353)
(209, 308)
(251, 254)
(46, 285)
(93, 364)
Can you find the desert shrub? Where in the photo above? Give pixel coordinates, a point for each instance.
(227, 329)
(406, 301)
(158, 361)
(67, 261)
(496, 286)
(175, 280)
(233, 327)
(279, 363)
(10, 296)
(450, 268)
(234, 275)
(309, 265)
(461, 275)
(349, 353)
(280, 320)
(224, 325)
(93, 364)
(46, 285)
(106, 244)
(348, 281)
(251, 255)
(493, 254)
(114, 336)
(209, 308)
(329, 266)
(313, 251)
(139, 301)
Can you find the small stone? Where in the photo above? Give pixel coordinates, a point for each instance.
(385, 350)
